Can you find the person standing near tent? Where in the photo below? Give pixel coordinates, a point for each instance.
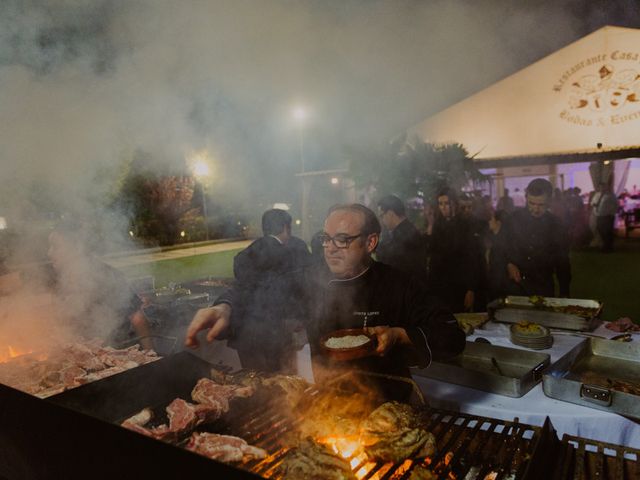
(536, 246)
(606, 216)
(402, 246)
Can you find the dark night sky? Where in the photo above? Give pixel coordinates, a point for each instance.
(84, 83)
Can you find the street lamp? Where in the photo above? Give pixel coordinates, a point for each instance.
(299, 114)
(202, 171)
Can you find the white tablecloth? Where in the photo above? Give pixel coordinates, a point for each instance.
(534, 406)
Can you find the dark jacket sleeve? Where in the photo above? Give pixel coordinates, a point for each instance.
(562, 262)
(432, 329)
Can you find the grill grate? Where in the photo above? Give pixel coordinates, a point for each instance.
(584, 459)
(469, 447)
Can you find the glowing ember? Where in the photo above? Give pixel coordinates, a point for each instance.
(344, 447)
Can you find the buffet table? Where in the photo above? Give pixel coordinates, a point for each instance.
(534, 406)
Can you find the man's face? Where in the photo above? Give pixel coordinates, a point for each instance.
(537, 204)
(385, 218)
(444, 205)
(351, 261)
(465, 207)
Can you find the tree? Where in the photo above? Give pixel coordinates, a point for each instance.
(413, 168)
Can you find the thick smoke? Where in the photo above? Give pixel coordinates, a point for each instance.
(86, 84)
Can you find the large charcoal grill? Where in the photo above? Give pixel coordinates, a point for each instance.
(77, 432)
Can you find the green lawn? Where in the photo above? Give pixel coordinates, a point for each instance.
(187, 268)
(612, 278)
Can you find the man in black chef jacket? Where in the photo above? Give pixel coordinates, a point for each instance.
(351, 290)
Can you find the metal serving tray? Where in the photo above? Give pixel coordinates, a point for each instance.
(514, 309)
(506, 371)
(592, 374)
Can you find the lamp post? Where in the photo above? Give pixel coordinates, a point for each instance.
(299, 114)
(201, 171)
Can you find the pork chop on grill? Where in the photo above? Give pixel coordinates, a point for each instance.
(392, 433)
(223, 448)
(312, 461)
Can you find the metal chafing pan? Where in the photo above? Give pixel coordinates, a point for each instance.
(506, 371)
(598, 373)
(514, 309)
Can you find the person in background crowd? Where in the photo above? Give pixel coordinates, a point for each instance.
(402, 247)
(536, 246)
(452, 256)
(505, 203)
(594, 202)
(606, 209)
(352, 290)
(479, 231)
(261, 336)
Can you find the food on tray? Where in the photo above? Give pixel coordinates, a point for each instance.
(541, 303)
(470, 321)
(393, 433)
(593, 378)
(347, 341)
(528, 328)
(68, 366)
(224, 448)
(310, 460)
(624, 324)
(537, 300)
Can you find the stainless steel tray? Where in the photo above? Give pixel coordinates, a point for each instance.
(595, 373)
(506, 371)
(514, 309)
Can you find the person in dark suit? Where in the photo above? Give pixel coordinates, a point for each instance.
(352, 290)
(401, 245)
(258, 333)
(536, 246)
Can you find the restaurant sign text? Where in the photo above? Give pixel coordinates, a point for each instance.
(601, 90)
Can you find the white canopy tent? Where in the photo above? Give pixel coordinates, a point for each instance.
(579, 104)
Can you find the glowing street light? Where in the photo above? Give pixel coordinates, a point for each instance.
(199, 163)
(300, 114)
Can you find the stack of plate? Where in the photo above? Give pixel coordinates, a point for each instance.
(531, 335)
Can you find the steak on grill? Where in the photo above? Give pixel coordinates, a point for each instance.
(223, 448)
(313, 461)
(208, 392)
(392, 433)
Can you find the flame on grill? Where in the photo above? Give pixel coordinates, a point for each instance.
(10, 352)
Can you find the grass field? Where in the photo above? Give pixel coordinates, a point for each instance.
(612, 278)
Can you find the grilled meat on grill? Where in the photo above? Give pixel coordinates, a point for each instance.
(422, 473)
(183, 416)
(312, 461)
(223, 448)
(392, 433)
(68, 366)
(292, 385)
(208, 392)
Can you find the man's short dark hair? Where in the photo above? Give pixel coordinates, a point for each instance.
(540, 186)
(371, 223)
(449, 193)
(393, 203)
(274, 221)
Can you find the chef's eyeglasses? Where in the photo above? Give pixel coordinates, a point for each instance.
(339, 241)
